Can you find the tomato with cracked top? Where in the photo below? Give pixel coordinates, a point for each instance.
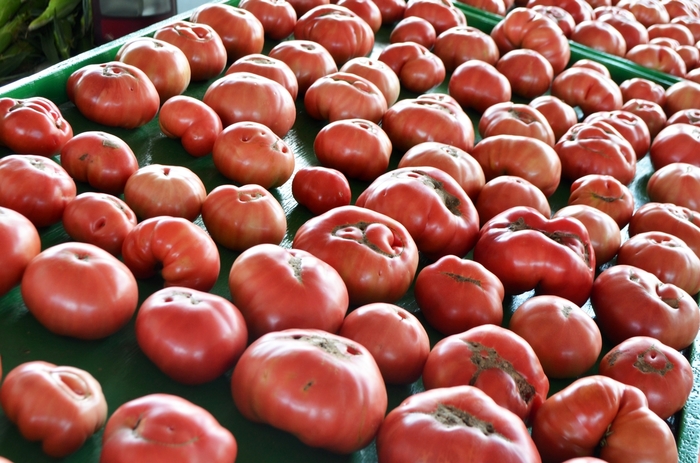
(631, 127)
(20, 244)
(33, 126)
(605, 193)
(193, 122)
(200, 43)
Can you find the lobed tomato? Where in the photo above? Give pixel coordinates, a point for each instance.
(506, 191)
(602, 229)
(195, 123)
(200, 43)
(343, 95)
(643, 89)
(589, 90)
(560, 115)
(321, 189)
(676, 143)
(460, 44)
(675, 183)
(605, 193)
(631, 127)
(651, 113)
(265, 66)
(418, 68)
(365, 9)
(515, 119)
(658, 57)
(377, 72)
(309, 60)
(414, 29)
(600, 36)
(528, 72)
(278, 17)
(676, 220)
(33, 126)
(240, 31)
(478, 85)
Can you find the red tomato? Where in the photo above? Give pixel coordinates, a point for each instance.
(100, 219)
(497, 7)
(506, 191)
(478, 85)
(65, 271)
(528, 72)
(556, 255)
(240, 217)
(643, 89)
(272, 68)
(658, 57)
(676, 220)
(377, 72)
(195, 123)
(250, 152)
(629, 301)
(460, 44)
(292, 379)
(682, 95)
(456, 294)
(277, 17)
(60, 406)
(560, 115)
(308, 292)
(183, 253)
(157, 190)
(674, 31)
(165, 64)
(374, 254)
(356, 147)
(692, 22)
(115, 94)
(33, 126)
(392, 10)
(579, 10)
(419, 69)
(515, 119)
(676, 143)
(631, 127)
(244, 96)
(320, 189)
(20, 243)
(101, 159)
(240, 31)
(450, 423)
(605, 193)
(559, 15)
(648, 12)
(594, 65)
(589, 90)
(442, 14)
(685, 116)
(600, 36)
(309, 61)
(663, 374)
(365, 9)
(677, 183)
(192, 336)
(164, 428)
(651, 113)
(414, 29)
(602, 229)
(200, 43)
(495, 360)
(455, 161)
(343, 95)
(632, 30)
(613, 413)
(301, 7)
(395, 338)
(36, 187)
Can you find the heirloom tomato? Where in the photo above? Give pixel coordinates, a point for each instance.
(560, 115)
(478, 85)
(591, 64)
(33, 126)
(528, 72)
(643, 89)
(460, 44)
(651, 113)
(309, 60)
(19, 244)
(631, 127)
(605, 193)
(240, 31)
(265, 66)
(658, 57)
(506, 191)
(646, 12)
(392, 10)
(559, 15)
(676, 183)
(414, 29)
(442, 14)
(602, 229)
(200, 43)
(418, 68)
(632, 30)
(600, 36)
(377, 72)
(515, 119)
(579, 10)
(365, 9)
(676, 220)
(589, 90)
(320, 189)
(277, 17)
(676, 143)
(193, 122)
(343, 95)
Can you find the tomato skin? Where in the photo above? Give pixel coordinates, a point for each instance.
(365, 9)
(272, 68)
(587, 89)
(101, 159)
(185, 253)
(377, 72)
(559, 15)
(600, 36)
(20, 244)
(629, 301)
(195, 123)
(320, 189)
(459, 44)
(560, 115)
(392, 10)
(676, 183)
(630, 126)
(277, 17)
(645, 89)
(602, 229)
(374, 254)
(240, 31)
(36, 187)
(658, 57)
(524, 232)
(115, 94)
(61, 406)
(651, 113)
(456, 294)
(241, 217)
(681, 95)
(515, 119)
(33, 126)
(53, 288)
(605, 193)
(192, 336)
(200, 43)
(528, 72)
(414, 29)
(418, 68)
(343, 95)
(676, 143)
(434, 424)
(647, 13)
(676, 220)
(100, 219)
(291, 380)
(478, 85)
(309, 293)
(495, 360)
(309, 60)
(442, 14)
(164, 428)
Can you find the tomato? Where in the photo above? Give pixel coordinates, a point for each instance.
(60, 406)
(165, 64)
(340, 31)
(292, 379)
(250, 152)
(495, 360)
(200, 43)
(651, 113)
(682, 95)
(528, 72)
(157, 190)
(462, 166)
(309, 61)
(556, 255)
(321, 189)
(456, 294)
(602, 229)
(374, 254)
(53, 288)
(308, 293)
(377, 72)
(605, 193)
(183, 253)
(528, 158)
(646, 12)
(685, 116)
(240, 31)
(101, 159)
(277, 17)
(597, 414)
(460, 44)
(587, 89)
(442, 14)
(100, 219)
(565, 338)
(33, 126)
(593, 65)
(36, 187)
(506, 191)
(413, 121)
(20, 244)
(414, 29)
(272, 68)
(301, 7)
(115, 94)
(579, 10)
(165, 428)
(663, 374)
(515, 119)
(195, 123)
(631, 127)
(192, 336)
(675, 31)
(478, 85)
(600, 36)
(559, 15)
(240, 217)
(419, 69)
(365, 9)
(392, 10)
(675, 183)
(560, 115)
(244, 96)
(356, 147)
(676, 220)
(395, 338)
(692, 22)
(343, 95)
(459, 422)
(632, 30)
(676, 143)
(644, 89)
(497, 7)
(657, 57)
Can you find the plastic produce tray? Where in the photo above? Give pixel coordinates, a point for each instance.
(124, 371)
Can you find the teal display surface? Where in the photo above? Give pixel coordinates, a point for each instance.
(123, 370)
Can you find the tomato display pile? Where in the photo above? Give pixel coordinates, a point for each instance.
(221, 242)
